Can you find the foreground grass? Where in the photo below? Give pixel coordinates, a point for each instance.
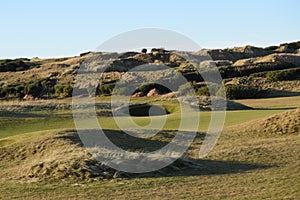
(242, 165)
(275, 175)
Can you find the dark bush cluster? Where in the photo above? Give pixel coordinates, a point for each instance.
(105, 89)
(271, 48)
(9, 65)
(279, 75)
(203, 91)
(242, 92)
(63, 90)
(160, 50)
(232, 71)
(40, 88)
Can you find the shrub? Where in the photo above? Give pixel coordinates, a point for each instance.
(18, 90)
(159, 50)
(232, 71)
(242, 92)
(203, 91)
(279, 75)
(35, 89)
(282, 75)
(9, 65)
(67, 90)
(8, 91)
(105, 89)
(63, 90)
(271, 48)
(144, 50)
(85, 53)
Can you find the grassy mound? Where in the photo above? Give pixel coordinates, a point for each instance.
(62, 156)
(279, 124)
(55, 156)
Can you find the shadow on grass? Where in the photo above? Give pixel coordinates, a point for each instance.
(285, 108)
(204, 167)
(21, 114)
(13, 114)
(131, 143)
(270, 93)
(182, 166)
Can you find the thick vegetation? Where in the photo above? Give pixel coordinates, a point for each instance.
(40, 88)
(9, 65)
(242, 92)
(279, 75)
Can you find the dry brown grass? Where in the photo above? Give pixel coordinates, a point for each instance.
(62, 156)
(279, 102)
(50, 156)
(282, 57)
(280, 124)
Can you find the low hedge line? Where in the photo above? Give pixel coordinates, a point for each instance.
(279, 75)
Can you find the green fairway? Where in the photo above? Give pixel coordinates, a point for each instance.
(17, 125)
(13, 126)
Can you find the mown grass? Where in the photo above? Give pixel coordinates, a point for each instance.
(15, 126)
(19, 125)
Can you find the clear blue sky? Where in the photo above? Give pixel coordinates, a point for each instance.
(64, 28)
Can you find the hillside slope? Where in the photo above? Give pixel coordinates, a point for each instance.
(270, 67)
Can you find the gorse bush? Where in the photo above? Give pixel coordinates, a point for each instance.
(144, 50)
(233, 71)
(10, 91)
(63, 90)
(209, 90)
(242, 92)
(105, 89)
(271, 48)
(279, 75)
(35, 89)
(39, 88)
(282, 75)
(203, 91)
(9, 65)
